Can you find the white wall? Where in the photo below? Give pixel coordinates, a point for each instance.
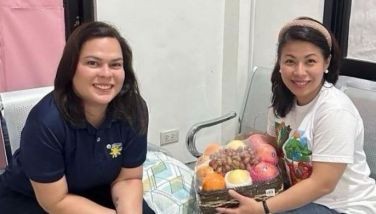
(178, 51)
(270, 16)
(193, 58)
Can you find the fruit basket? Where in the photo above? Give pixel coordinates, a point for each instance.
(208, 201)
(248, 166)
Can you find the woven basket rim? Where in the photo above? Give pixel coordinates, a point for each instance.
(209, 200)
(277, 179)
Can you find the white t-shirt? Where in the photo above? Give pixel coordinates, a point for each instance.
(329, 129)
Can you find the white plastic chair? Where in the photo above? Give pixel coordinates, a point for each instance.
(16, 106)
(4, 143)
(363, 94)
(254, 112)
(258, 98)
(167, 181)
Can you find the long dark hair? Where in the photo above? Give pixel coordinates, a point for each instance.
(128, 105)
(282, 98)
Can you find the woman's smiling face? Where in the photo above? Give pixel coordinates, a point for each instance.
(99, 75)
(302, 67)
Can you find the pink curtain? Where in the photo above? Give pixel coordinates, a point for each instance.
(32, 37)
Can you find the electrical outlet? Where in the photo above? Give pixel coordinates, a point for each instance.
(170, 136)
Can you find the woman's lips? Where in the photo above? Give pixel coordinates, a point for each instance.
(300, 83)
(103, 86)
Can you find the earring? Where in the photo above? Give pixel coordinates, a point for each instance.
(326, 71)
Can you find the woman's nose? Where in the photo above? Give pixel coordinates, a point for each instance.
(300, 68)
(105, 71)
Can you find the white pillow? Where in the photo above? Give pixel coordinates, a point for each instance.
(168, 184)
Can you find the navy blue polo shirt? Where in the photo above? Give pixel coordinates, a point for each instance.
(89, 157)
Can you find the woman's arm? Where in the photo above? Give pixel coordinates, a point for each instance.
(54, 198)
(322, 181)
(127, 191)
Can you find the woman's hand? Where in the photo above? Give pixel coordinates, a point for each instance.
(127, 191)
(246, 205)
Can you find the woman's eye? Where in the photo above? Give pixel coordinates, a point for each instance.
(311, 61)
(117, 65)
(92, 63)
(289, 62)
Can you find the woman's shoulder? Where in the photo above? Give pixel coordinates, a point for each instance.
(333, 99)
(45, 111)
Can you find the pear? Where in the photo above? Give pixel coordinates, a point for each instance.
(237, 178)
(235, 144)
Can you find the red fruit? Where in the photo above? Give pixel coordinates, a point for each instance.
(267, 153)
(256, 139)
(263, 171)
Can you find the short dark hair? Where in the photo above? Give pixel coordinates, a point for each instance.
(282, 98)
(127, 105)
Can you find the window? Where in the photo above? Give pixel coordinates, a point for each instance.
(352, 23)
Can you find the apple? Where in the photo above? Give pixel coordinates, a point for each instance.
(263, 171)
(256, 139)
(266, 153)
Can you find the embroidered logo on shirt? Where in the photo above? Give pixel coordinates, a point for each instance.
(114, 149)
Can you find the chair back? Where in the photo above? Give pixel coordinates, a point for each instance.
(254, 110)
(363, 94)
(256, 101)
(4, 144)
(16, 106)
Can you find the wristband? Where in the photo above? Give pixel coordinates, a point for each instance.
(266, 208)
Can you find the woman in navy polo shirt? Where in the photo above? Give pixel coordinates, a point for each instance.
(83, 145)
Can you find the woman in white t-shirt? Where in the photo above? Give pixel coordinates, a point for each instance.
(317, 129)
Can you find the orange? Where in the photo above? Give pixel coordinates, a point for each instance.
(212, 148)
(213, 181)
(202, 170)
(203, 159)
